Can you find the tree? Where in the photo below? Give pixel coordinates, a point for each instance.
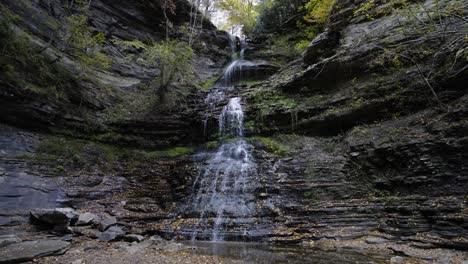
(86, 45)
(241, 13)
(173, 58)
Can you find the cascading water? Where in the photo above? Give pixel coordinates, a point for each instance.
(218, 93)
(232, 118)
(224, 191)
(225, 185)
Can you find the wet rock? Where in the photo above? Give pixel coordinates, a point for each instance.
(106, 221)
(112, 234)
(29, 250)
(86, 231)
(8, 240)
(376, 240)
(397, 260)
(87, 219)
(321, 47)
(133, 238)
(59, 218)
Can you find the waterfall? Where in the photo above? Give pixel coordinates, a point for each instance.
(232, 118)
(225, 185)
(224, 189)
(217, 94)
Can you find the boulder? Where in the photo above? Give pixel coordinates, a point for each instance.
(29, 250)
(133, 238)
(87, 219)
(112, 234)
(86, 231)
(105, 221)
(58, 216)
(8, 240)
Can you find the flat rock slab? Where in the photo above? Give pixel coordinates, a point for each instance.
(8, 240)
(29, 250)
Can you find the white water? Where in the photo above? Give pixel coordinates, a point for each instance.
(224, 188)
(232, 118)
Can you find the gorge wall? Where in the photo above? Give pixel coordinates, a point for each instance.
(88, 103)
(375, 117)
(361, 140)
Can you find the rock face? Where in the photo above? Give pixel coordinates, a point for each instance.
(82, 104)
(373, 155)
(29, 250)
(375, 127)
(22, 187)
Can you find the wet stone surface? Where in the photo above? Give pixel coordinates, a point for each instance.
(22, 188)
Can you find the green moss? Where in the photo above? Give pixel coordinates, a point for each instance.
(208, 84)
(270, 100)
(66, 152)
(170, 153)
(283, 46)
(211, 144)
(309, 194)
(24, 66)
(273, 145)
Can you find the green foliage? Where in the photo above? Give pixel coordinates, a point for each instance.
(302, 22)
(78, 36)
(174, 58)
(275, 15)
(209, 83)
(370, 11)
(317, 11)
(302, 45)
(241, 13)
(364, 8)
(25, 66)
(281, 45)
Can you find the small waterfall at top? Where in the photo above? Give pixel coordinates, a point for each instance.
(217, 94)
(224, 190)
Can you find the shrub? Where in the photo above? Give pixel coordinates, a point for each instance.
(88, 47)
(174, 58)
